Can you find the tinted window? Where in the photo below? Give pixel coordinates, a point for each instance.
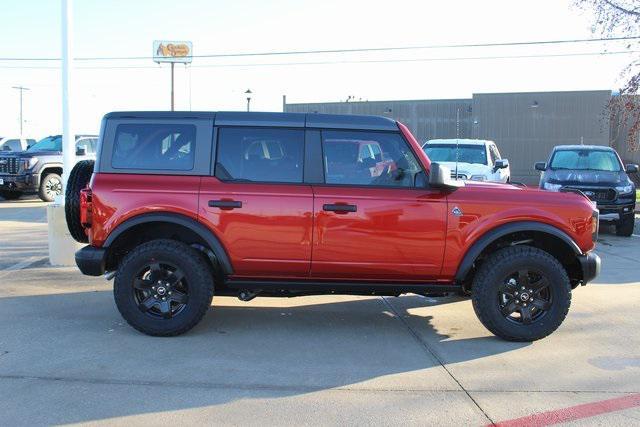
(368, 158)
(50, 143)
(493, 151)
(586, 160)
(262, 155)
(154, 146)
(452, 152)
(87, 145)
(12, 145)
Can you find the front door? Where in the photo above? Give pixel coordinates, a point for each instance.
(257, 203)
(370, 220)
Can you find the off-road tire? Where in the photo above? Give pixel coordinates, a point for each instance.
(196, 272)
(625, 226)
(490, 276)
(78, 179)
(10, 195)
(42, 190)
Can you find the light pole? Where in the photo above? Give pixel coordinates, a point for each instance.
(68, 135)
(248, 94)
(21, 89)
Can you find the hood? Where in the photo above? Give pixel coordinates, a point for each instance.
(467, 168)
(585, 177)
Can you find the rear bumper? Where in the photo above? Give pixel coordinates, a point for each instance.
(91, 261)
(590, 264)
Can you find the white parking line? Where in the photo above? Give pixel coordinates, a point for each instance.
(19, 266)
(635, 235)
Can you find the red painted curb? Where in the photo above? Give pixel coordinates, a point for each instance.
(574, 412)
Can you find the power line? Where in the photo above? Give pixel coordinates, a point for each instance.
(364, 61)
(355, 50)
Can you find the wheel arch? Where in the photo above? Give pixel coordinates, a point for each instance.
(537, 234)
(50, 168)
(149, 226)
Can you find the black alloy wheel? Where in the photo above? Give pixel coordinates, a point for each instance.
(161, 290)
(524, 296)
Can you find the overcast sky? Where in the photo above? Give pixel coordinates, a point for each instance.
(31, 28)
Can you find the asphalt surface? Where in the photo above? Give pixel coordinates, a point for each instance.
(66, 355)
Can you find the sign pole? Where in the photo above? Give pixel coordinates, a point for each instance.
(172, 64)
(68, 137)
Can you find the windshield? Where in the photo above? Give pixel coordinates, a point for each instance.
(599, 160)
(447, 153)
(50, 143)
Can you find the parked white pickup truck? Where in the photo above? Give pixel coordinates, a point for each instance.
(477, 159)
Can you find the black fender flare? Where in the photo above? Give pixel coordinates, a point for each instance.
(190, 223)
(491, 236)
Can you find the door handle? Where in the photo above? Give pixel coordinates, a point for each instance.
(340, 208)
(225, 204)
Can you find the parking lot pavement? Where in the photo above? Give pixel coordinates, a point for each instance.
(66, 355)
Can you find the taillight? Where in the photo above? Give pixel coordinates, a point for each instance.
(85, 207)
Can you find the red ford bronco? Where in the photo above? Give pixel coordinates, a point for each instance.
(180, 206)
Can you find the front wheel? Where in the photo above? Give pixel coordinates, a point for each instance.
(624, 227)
(163, 287)
(50, 187)
(521, 293)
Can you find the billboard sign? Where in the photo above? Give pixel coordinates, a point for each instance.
(172, 51)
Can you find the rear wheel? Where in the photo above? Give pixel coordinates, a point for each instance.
(521, 293)
(163, 288)
(624, 227)
(10, 195)
(50, 187)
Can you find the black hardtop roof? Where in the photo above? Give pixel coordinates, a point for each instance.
(241, 118)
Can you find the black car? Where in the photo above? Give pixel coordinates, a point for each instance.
(39, 168)
(599, 173)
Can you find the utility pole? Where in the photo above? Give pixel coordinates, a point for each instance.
(68, 136)
(21, 89)
(172, 64)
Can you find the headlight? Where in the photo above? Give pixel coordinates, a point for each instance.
(478, 178)
(551, 187)
(624, 189)
(29, 163)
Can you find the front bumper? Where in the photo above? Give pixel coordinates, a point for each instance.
(91, 261)
(614, 212)
(25, 182)
(590, 264)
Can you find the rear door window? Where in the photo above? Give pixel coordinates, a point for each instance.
(260, 155)
(168, 147)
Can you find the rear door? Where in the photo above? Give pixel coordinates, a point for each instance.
(371, 222)
(257, 203)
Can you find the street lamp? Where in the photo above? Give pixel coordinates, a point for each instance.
(248, 94)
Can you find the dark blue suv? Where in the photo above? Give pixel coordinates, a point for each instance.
(599, 173)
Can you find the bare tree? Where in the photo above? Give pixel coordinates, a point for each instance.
(621, 18)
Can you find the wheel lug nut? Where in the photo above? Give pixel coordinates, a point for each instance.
(155, 296)
(164, 299)
(169, 292)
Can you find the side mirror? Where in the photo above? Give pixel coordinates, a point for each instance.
(28, 146)
(440, 177)
(631, 168)
(541, 166)
(501, 164)
(81, 151)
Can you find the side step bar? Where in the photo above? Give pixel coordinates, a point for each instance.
(294, 288)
